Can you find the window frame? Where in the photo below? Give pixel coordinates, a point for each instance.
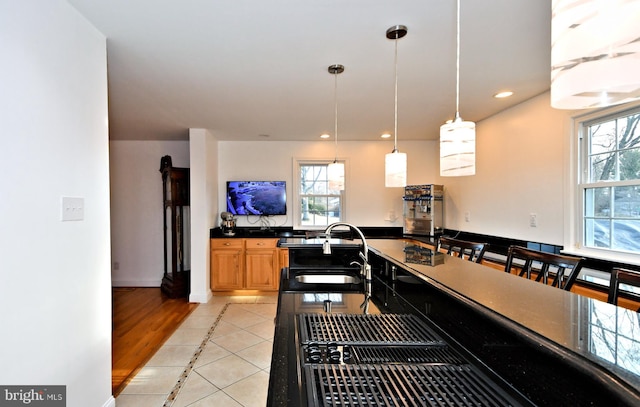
(578, 170)
(297, 200)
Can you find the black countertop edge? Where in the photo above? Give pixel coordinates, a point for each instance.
(372, 232)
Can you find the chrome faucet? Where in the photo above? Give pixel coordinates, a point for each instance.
(365, 267)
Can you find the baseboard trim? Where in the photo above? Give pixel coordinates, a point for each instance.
(111, 402)
(202, 298)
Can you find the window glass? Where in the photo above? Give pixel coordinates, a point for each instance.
(319, 205)
(611, 187)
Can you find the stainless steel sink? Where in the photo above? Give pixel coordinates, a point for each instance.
(327, 279)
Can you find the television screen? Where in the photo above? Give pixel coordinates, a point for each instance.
(257, 197)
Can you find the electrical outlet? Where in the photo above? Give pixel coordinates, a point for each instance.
(467, 216)
(116, 265)
(533, 220)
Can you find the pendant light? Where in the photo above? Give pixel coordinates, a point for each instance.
(595, 53)
(457, 137)
(395, 162)
(335, 170)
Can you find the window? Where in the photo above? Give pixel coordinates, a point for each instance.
(317, 205)
(610, 181)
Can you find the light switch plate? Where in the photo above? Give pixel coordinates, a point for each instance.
(72, 209)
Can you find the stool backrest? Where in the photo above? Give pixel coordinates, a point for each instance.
(472, 250)
(621, 276)
(539, 264)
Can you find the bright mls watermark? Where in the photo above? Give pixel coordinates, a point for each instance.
(37, 396)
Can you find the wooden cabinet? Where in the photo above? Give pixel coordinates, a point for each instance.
(251, 264)
(261, 264)
(227, 264)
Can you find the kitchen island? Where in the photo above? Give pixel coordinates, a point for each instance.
(547, 345)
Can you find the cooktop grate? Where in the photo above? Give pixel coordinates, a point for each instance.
(404, 354)
(401, 385)
(365, 329)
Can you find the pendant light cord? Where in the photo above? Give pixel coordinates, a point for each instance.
(335, 95)
(395, 129)
(457, 62)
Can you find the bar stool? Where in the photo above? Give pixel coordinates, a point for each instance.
(474, 251)
(621, 276)
(543, 261)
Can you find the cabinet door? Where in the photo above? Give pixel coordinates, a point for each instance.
(226, 269)
(260, 269)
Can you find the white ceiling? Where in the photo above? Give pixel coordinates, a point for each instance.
(249, 68)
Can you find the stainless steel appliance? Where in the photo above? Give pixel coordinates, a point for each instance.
(228, 225)
(423, 209)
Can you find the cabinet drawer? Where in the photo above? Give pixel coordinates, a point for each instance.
(227, 243)
(261, 243)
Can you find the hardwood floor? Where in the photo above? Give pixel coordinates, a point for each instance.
(143, 319)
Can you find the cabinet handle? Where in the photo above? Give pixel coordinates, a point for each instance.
(227, 244)
(260, 244)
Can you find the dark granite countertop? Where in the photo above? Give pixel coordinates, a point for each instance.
(370, 232)
(244, 232)
(596, 339)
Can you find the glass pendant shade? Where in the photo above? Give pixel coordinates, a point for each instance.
(335, 175)
(458, 148)
(595, 53)
(395, 169)
(457, 137)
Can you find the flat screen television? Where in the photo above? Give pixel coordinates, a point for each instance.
(260, 198)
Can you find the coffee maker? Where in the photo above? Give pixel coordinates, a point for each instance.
(228, 225)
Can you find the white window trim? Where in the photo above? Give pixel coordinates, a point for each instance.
(297, 162)
(573, 198)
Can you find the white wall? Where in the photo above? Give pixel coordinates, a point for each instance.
(136, 209)
(368, 202)
(204, 182)
(55, 292)
(520, 170)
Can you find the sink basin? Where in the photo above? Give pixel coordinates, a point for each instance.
(327, 279)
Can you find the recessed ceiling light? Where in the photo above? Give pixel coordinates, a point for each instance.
(504, 94)
(386, 135)
(325, 135)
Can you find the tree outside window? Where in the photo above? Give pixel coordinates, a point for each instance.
(319, 205)
(611, 188)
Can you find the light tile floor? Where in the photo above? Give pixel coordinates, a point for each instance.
(219, 356)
